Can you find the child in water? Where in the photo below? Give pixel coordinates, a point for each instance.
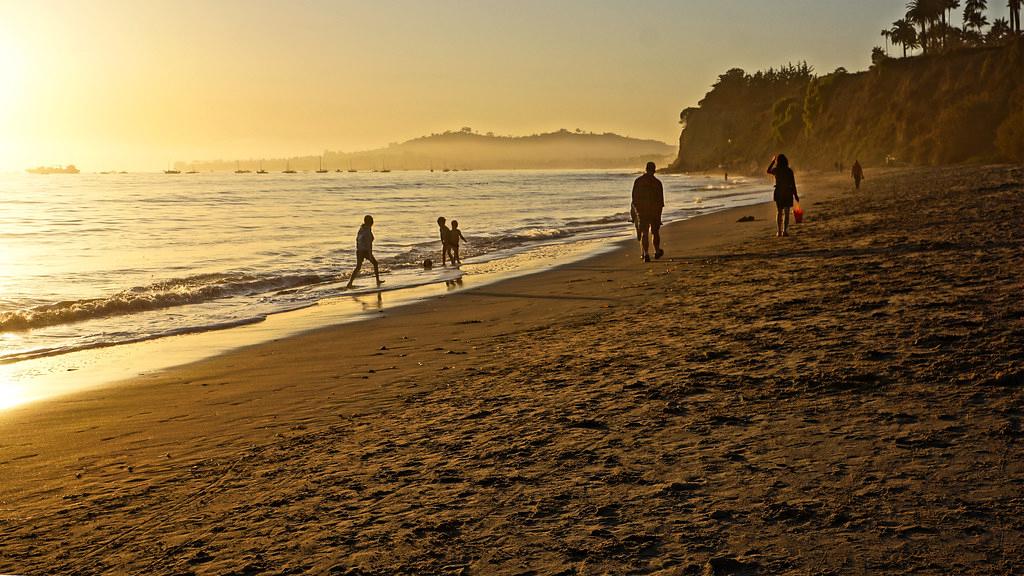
(454, 235)
(364, 251)
(446, 242)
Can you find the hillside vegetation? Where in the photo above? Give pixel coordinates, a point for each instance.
(962, 106)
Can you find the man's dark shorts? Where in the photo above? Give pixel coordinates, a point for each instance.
(645, 221)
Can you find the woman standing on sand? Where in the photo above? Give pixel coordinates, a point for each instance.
(785, 191)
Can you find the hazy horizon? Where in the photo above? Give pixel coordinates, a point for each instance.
(117, 85)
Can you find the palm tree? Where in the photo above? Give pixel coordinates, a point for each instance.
(887, 34)
(946, 7)
(904, 34)
(920, 12)
(974, 14)
(1014, 6)
(975, 21)
(924, 13)
(999, 31)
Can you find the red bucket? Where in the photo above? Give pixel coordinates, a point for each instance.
(798, 213)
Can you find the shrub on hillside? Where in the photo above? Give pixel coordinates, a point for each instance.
(965, 131)
(1010, 137)
(787, 120)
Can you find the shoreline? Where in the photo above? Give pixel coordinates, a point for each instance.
(45, 376)
(829, 402)
(208, 297)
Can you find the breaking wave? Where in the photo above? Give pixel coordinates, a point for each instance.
(165, 294)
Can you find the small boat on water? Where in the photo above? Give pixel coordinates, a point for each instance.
(261, 170)
(69, 169)
(238, 169)
(172, 171)
(321, 170)
(288, 169)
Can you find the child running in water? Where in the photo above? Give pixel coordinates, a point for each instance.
(454, 235)
(446, 241)
(364, 251)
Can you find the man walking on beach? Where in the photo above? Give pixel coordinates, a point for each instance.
(857, 173)
(648, 202)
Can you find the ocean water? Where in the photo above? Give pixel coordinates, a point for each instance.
(94, 260)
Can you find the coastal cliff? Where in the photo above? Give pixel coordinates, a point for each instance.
(965, 106)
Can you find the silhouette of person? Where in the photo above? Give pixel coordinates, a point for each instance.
(857, 173)
(785, 191)
(446, 240)
(454, 235)
(364, 251)
(648, 203)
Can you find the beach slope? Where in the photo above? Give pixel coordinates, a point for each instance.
(847, 400)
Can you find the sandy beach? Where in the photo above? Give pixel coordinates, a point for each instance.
(847, 400)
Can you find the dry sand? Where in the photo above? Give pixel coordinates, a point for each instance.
(844, 401)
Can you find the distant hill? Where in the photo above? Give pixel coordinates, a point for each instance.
(468, 150)
(964, 106)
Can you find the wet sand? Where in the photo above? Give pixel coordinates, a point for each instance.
(847, 400)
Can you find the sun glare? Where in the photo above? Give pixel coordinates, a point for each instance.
(12, 85)
(12, 392)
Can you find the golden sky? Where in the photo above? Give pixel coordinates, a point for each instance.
(111, 84)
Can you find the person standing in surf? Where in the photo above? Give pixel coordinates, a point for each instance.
(454, 236)
(446, 241)
(648, 203)
(364, 251)
(785, 192)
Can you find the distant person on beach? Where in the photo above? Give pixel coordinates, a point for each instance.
(785, 191)
(446, 240)
(454, 235)
(364, 250)
(857, 173)
(648, 203)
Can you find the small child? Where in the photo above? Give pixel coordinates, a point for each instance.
(364, 251)
(454, 235)
(446, 246)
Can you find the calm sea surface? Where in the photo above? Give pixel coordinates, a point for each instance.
(98, 259)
